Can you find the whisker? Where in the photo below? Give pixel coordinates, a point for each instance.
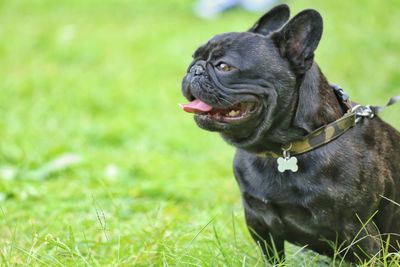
(225, 96)
(227, 101)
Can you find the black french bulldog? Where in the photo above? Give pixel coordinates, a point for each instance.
(261, 89)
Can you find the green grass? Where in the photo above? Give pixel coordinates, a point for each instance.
(97, 83)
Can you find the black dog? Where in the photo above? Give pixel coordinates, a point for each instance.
(263, 92)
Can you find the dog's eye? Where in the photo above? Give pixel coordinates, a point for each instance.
(224, 67)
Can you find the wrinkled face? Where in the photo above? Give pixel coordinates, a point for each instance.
(244, 84)
(234, 82)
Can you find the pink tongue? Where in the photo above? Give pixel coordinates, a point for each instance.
(196, 106)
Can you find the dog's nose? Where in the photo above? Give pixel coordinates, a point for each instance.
(197, 70)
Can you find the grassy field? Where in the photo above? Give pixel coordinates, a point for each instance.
(98, 166)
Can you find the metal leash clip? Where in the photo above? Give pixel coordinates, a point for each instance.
(363, 112)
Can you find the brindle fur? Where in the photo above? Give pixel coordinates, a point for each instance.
(338, 186)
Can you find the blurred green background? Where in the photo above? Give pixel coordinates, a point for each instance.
(98, 165)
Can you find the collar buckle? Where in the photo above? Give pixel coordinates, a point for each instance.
(363, 112)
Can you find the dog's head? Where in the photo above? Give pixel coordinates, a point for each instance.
(242, 84)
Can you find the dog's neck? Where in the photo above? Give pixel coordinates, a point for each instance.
(317, 102)
(313, 105)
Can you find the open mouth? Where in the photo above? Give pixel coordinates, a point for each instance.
(235, 113)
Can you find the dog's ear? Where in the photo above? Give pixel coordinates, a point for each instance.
(299, 38)
(272, 21)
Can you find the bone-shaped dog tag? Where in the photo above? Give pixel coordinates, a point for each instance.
(288, 163)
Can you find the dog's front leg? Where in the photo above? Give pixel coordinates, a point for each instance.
(270, 242)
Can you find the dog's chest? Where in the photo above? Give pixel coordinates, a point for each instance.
(285, 212)
(286, 203)
(289, 216)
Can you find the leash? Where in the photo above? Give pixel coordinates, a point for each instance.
(326, 133)
(392, 100)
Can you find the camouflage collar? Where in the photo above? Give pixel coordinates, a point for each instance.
(317, 138)
(329, 132)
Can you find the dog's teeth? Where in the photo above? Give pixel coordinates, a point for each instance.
(233, 113)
